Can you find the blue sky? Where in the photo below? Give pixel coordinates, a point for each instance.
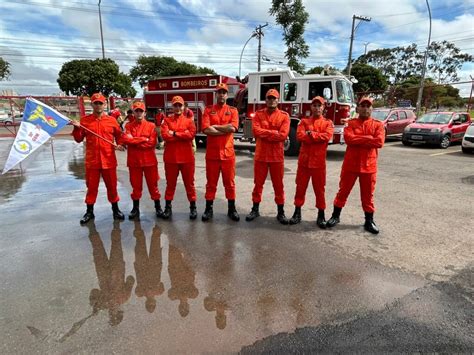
(38, 36)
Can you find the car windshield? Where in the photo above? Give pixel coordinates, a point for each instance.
(380, 115)
(435, 118)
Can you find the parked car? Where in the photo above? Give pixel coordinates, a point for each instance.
(394, 119)
(439, 128)
(467, 144)
(5, 117)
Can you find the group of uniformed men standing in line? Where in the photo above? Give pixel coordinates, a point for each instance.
(363, 136)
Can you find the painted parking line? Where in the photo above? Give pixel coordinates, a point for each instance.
(443, 153)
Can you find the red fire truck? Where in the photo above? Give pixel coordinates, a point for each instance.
(296, 92)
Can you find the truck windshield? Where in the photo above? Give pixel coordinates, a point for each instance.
(380, 115)
(344, 92)
(435, 118)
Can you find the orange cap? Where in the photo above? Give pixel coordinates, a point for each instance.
(177, 100)
(222, 86)
(273, 92)
(318, 98)
(98, 97)
(138, 105)
(365, 99)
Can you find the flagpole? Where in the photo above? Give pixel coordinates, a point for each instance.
(95, 134)
(52, 153)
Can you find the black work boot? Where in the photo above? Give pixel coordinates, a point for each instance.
(135, 212)
(158, 210)
(88, 215)
(231, 211)
(192, 210)
(253, 212)
(281, 215)
(321, 220)
(296, 218)
(116, 213)
(369, 224)
(208, 212)
(336, 213)
(168, 210)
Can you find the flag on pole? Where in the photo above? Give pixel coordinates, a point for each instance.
(40, 122)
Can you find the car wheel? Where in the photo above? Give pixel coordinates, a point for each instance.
(201, 142)
(406, 143)
(445, 141)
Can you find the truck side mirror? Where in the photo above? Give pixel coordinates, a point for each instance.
(327, 93)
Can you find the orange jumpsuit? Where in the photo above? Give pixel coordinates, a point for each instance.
(270, 131)
(220, 154)
(179, 155)
(363, 139)
(312, 158)
(100, 156)
(141, 157)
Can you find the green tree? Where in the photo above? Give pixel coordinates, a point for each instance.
(293, 19)
(152, 67)
(4, 69)
(445, 59)
(85, 77)
(369, 78)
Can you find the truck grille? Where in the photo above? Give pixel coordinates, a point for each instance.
(248, 129)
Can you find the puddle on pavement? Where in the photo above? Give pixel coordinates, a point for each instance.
(177, 286)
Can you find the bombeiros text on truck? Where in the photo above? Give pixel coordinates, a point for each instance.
(248, 96)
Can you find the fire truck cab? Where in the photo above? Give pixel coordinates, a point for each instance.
(296, 92)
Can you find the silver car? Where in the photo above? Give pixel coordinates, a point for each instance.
(468, 140)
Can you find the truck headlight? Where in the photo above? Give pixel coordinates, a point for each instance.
(435, 130)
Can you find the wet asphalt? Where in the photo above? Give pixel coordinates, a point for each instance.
(188, 286)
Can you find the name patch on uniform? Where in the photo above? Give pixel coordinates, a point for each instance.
(227, 113)
(213, 113)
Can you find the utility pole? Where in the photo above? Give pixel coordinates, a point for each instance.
(101, 34)
(259, 33)
(470, 96)
(365, 49)
(423, 71)
(354, 28)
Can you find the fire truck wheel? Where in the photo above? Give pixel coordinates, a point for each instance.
(201, 142)
(292, 146)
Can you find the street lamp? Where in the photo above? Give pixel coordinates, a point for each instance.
(101, 34)
(423, 71)
(254, 34)
(354, 17)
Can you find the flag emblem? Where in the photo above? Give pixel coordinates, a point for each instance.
(22, 146)
(38, 114)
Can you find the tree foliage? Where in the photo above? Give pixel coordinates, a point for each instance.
(402, 63)
(293, 19)
(4, 69)
(85, 77)
(368, 77)
(152, 67)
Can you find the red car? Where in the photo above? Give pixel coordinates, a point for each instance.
(394, 119)
(439, 128)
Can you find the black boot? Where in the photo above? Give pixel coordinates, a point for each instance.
(369, 225)
(321, 220)
(281, 215)
(208, 212)
(253, 212)
(168, 210)
(116, 213)
(159, 211)
(135, 212)
(231, 211)
(192, 210)
(296, 216)
(88, 215)
(336, 213)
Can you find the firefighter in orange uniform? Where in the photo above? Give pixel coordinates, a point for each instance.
(364, 136)
(100, 155)
(178, 132)
(219, 122)
(140, 137)
(270, 128)
(314, 133)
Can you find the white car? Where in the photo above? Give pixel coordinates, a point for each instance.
(5, 117)
(468, 140)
